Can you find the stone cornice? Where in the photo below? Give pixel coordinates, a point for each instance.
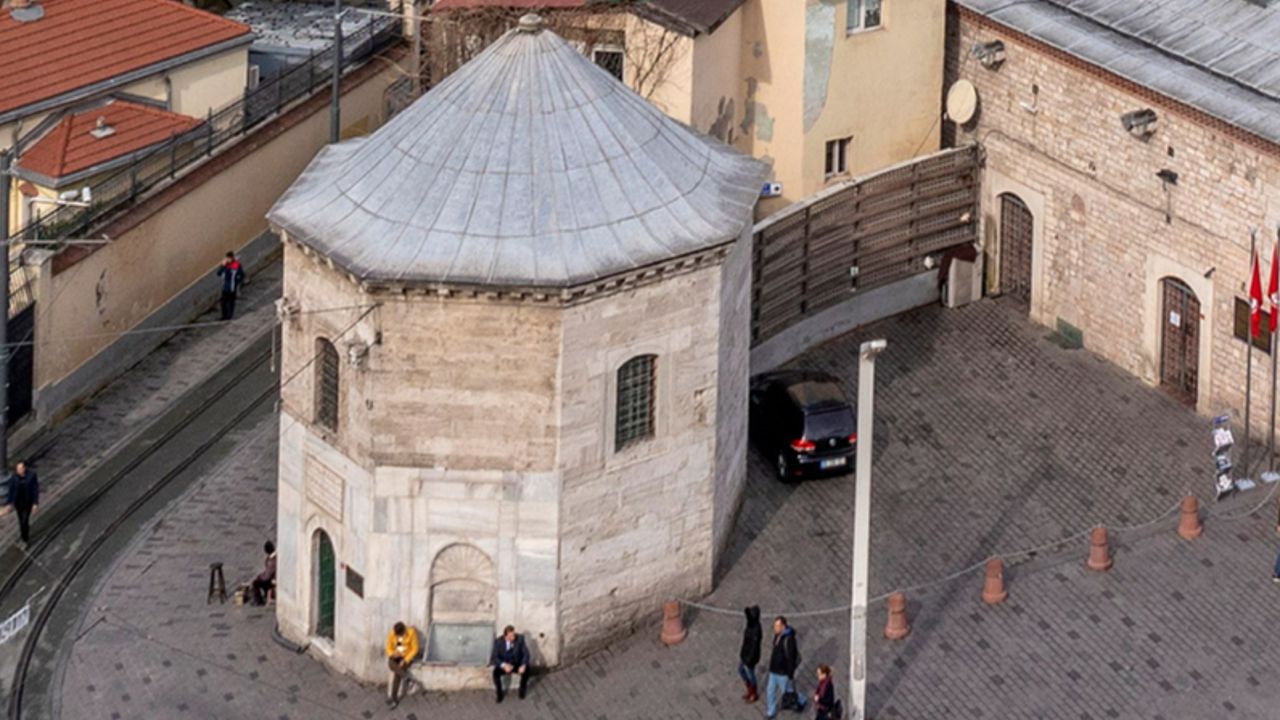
(568, 296)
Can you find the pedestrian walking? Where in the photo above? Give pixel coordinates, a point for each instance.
(402, 649)
(783, 662)
(749, 655)
(825, 705)
(23, 497)
(232, 278)
(510, 656)
(266, 580)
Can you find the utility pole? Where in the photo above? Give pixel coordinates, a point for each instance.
(5, 158)
(335, 109)
(862, 529)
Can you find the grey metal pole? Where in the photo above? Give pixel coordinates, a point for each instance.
(5, 159)
(1248, 350)
(1271, 435)
(862, 529)
(335, 109)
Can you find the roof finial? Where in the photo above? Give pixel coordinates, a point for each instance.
(531, 23)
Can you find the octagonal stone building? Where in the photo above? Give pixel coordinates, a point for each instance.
(514, 367)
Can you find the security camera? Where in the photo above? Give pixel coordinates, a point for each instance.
(1139, 123)
(990, 54)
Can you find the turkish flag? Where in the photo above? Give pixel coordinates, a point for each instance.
(1255, 296)
(1273, 287)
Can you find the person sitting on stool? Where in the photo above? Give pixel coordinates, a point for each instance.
(266, 579)
(509, 656)
(402, 648)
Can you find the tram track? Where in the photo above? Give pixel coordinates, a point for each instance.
(220, 407)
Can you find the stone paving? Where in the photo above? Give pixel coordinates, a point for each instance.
(989, 438)
(114, 415)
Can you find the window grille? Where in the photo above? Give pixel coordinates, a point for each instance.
(635, 401)
(326, 384)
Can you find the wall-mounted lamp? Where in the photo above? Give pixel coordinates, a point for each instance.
(990, 54)
(1168, 176)
(1139, 123)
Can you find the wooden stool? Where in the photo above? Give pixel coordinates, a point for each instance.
(217, 584)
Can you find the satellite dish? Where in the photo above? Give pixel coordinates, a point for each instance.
(962, 102)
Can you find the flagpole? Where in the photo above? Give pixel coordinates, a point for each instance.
(1248, 363)
(1272, 289)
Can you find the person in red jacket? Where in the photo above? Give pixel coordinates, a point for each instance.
(232, 278)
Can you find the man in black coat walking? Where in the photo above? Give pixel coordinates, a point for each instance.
(749, 655)
(783, 662)
(24, 497)
(509, 656)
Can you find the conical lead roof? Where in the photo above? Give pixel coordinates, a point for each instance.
(528, 167)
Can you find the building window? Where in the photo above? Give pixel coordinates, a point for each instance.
(635, 401)
(1263, 341)
(610, 58)
(863, 15)
(837, 157)
(326, 384)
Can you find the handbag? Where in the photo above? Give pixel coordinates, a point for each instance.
(791, 701)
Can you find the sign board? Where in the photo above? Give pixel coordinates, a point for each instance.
(1175, 319)
(1223, 441)
(15, 623)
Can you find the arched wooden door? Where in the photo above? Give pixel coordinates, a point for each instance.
(1179, 340)
(1017, 230)
(325, 585)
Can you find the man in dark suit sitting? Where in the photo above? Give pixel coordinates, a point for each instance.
(509, 656)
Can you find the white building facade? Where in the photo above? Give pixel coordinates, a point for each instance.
(514, 368)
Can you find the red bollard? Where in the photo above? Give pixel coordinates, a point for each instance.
(993, 592)
(1099, 550)
(1189, 526)
(673, 632)
(897, 628)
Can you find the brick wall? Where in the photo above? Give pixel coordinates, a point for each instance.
(1108, 228)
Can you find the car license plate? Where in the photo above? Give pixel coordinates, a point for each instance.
(833, 462)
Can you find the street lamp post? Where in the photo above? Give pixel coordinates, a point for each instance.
(335, 106)
(5, 158)
(862, 529)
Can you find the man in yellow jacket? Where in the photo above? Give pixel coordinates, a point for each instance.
(402, 649)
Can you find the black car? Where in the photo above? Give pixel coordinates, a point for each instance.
(801, 420)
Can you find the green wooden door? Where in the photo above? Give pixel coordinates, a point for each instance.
(324, 587)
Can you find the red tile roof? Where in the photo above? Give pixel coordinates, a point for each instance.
(70, 148)
(83, 42)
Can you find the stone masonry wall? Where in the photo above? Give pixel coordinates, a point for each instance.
(636, 525)
(1108, 229)
(731, 393)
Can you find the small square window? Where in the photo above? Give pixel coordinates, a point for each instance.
(611, 59)
(863, 15)
(837, 157)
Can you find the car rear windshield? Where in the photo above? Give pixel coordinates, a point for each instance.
(828, 424)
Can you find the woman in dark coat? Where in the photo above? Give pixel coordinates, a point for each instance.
(749, 656)
(824, 698)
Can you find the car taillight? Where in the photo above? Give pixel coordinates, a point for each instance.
(802, 445)
(853, 438)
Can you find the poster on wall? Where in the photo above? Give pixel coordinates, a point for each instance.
(1223, 442)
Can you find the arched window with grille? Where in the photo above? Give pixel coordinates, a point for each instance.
(326, 384)
(634, 419)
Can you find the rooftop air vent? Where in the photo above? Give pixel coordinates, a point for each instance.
(25, 10)
(101, 129)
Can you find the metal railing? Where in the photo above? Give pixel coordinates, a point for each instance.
(162, 163)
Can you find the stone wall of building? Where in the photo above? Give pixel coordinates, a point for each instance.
(1107, 229)
(732, 391)
(636, 524)
(445, 440)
